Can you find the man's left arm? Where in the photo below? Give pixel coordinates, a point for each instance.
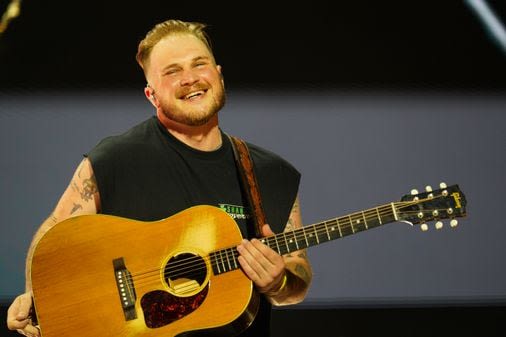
(283, 279)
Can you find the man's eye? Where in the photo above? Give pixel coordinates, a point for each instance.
(171, 71)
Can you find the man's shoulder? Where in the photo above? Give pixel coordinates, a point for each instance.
(138, 135)
(267, 159)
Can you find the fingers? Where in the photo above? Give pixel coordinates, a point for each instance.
(30, 331)
(18, 316)
(266, 230)
(261, 264)
(25, 304)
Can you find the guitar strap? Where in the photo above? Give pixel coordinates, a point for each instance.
(249, 182)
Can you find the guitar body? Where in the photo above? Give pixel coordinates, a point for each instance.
(100, 275)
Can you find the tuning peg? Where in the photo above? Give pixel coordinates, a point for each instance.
(439, 225)
(428, 188)
(414, 191)
(424, 227)
(442, 185)
(454, 223)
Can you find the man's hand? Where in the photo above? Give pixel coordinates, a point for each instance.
(261, 264)
(18, 316)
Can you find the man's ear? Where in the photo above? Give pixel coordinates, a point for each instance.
(150, 95)
(218, 67)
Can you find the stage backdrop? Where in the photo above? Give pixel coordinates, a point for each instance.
(355, 150)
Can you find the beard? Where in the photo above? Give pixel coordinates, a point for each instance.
(195, 116)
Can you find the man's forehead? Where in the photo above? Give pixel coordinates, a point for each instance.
(180, 46)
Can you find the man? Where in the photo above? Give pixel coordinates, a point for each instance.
(179, 159)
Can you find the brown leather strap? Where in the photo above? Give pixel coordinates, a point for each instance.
(249, 182)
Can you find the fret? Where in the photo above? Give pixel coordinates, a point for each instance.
(228, 260)
(327, 230)
(339, 227)
(222, 261)
(394, 212)
(286, 244)
(346, 228)
(215, 263)
(351, 223)
(310, 235)
(337, 233)
(234, 254)
(295, 239)
(365, 221)
(316, 234)
(277, 244)
(379, 217)
(292, 244)
(305, 237)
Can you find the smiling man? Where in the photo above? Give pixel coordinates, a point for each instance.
(178, 159)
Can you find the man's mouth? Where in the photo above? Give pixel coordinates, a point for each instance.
(194, 94)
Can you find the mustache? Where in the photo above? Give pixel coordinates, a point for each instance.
(185, 91)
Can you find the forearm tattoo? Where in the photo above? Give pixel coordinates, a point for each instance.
(301, 272)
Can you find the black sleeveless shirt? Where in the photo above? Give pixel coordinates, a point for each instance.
(147, 174)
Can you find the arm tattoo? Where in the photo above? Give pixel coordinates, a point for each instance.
(303, 255)
(76, 208)
(289, 225)
(301, 272)
(53, 218)
(89, 188)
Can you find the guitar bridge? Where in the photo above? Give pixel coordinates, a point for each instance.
(126, 289)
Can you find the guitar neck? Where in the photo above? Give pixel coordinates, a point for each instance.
(284, 243)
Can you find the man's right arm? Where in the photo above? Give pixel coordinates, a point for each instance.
(81, 197)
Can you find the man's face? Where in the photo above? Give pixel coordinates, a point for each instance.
(187, 83)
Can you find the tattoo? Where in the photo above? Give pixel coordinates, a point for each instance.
(75, 188)
(292, 222)
(289, 225)
(75, 208)
(53, 218)
(302, 254)
(89, 188)
(301, 272)
(295, 207)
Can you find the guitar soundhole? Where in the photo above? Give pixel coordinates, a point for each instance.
(185, 275)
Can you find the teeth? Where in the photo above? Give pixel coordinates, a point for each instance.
(193, 94)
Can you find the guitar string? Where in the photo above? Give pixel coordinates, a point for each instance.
(189, 261)
(343, 226)
(182, 266)
(224, 263)
(189, 265)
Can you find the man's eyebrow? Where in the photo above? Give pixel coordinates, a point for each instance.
(195, 59)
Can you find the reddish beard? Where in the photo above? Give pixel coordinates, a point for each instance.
(194, 118)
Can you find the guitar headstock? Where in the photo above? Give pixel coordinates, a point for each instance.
(447, 202)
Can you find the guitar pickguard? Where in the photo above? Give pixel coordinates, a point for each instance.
(161, 308)
(185, 276)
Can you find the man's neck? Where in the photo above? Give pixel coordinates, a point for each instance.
(206, 137)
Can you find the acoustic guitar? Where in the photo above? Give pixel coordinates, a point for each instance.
(101, 275)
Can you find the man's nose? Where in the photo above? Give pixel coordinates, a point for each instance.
(188, 78)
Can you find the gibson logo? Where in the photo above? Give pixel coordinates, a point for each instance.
(456, 197)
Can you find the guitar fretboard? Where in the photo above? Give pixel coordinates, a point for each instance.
(225, 260)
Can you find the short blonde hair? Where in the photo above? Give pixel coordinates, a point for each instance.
(166, 28)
